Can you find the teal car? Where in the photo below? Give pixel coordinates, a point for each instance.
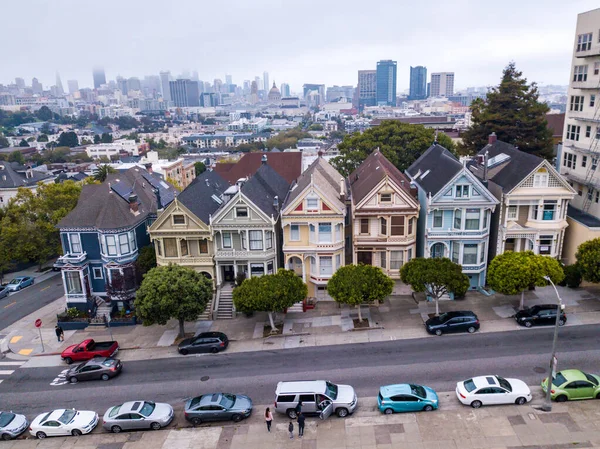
(406, 398)
(573, 384)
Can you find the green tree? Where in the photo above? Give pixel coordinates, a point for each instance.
(315, 127)
(359, 284)
(588, 260)
(401, 143)
(7, 259)
(102, 172)
(435, 277)
(23, 143)
(146, 259)
(106, 138)
(286, 139)
(174, 183)
(16, 156)
(4, 142)
(96, 139)
(42, 138)
(512, 273)
(573, 276)
(199, 167)
(513, 111)
(68, 139)
(270, 293)
(44, 114)
(170, 292)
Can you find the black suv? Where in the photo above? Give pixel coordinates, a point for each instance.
(542, 314)
(204, 342)
(460, 321)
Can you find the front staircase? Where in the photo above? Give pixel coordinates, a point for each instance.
(225, 304)
(207, 314)
(103, 311)
(296, 308)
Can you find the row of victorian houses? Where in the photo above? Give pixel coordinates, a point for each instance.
(262, 213)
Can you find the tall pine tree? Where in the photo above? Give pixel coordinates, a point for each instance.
(513, 112)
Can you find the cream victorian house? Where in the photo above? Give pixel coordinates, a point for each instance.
(313, 219)
(385, 209)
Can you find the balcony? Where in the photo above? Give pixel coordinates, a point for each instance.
(188, 261)
(477, 267)
(71, 259)
(581, 179)
(231, 254)
(584, 116)
(327, 246)
(449, 233)
(594, 51)
(589, 84)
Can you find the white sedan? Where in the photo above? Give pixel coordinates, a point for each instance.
(492, 390)
(63, 422)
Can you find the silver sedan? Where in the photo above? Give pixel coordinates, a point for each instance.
(138, 415)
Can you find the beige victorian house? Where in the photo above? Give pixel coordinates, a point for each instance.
(313, 219)
(385, 209)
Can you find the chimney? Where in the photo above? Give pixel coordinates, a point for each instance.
(148, 167)
(264, 159)
(133, 203)
(492, 138)
(485, 166)
(276, 203)
(319, 153)
(342, 189)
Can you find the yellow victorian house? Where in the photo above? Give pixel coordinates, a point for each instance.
(312, 219)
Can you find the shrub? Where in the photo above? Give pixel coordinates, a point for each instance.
(74, 312)
(573, 276)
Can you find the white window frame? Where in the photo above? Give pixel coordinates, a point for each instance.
(396, 259)
(321, 233)
(381, 200)
(314, 208)
(541, 179)
(178, 215)
(73, 244)
(241, 208)
(338, 232)
(438, 211)
(580, 73)
(338, 261)
(457, 215)
(464, 253)
(584, 42)
(255, 240)
(294, 233)
(268, 239)
(97, 272)
(462, 191)
(108, 245)
(573, 132)
(328, 271)
(229, 238)
(513, 212)
(124, 244)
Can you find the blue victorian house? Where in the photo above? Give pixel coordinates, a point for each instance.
(454, 220)
(101, 237)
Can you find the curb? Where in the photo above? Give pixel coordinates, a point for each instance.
(366, 328)
(286, 335)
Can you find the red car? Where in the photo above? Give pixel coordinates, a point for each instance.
(88, 349)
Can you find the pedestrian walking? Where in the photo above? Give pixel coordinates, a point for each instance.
(62, 334)
(291, 429)
(301, 419)
(59, 332)
(268, 418)
(298, 408)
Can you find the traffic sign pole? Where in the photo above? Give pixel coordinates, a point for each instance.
(38, 324)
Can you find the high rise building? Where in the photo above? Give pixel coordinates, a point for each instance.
(73, 86)
(442, 84)
(386, 83)
(133, 83)
(59, 86)
(418, 83)
(20, 82)
(36, 86)
(336, 92)
(316, 92)
(266, 80)
(122, 85)
(254, 92)
(184, 93)
(99, 77)
(165, 78)
(228, 80)
(285, 90)
(367, 88)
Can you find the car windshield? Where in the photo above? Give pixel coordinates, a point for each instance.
(591, 378)
(559, 379)
(6, 419)
(147, 408)
(114, 411)
(195, 401)
(469, 385)
(332, 390)
(67, 416)
(418, 390)
(81, 365)
(14, 281)
(108, 362)
(444, 317)
(504, 383)
(227, 400)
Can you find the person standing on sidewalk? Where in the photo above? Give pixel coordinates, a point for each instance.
(291, 429)
(268, 418)
(301, 419)
(298, 408)
(59, 332)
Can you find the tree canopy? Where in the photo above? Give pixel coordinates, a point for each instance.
(44, 114)
(68, 139)
(588, 260)
(172, 292)
(401, 143)
(359, 284)
(16, 156)
(270, 293)
(286, 139)
(4, 142)
(511, 110)
(435, 277)
(102, 172)
(199, 167)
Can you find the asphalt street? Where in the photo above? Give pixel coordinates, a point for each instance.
(22, 303)
(437, 362)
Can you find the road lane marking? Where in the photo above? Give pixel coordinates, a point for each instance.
(6, 372)
(25, 351)
(11, 363)
(16, 338)
(0, 381)
(8, 305)
(61, 379)
(45, 288)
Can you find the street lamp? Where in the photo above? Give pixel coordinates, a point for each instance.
(547, 407)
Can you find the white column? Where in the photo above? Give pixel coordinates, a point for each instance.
(234, 270)
(82, 280)
(64, 279)
(303, 270)
(264, 240)
(218, 273)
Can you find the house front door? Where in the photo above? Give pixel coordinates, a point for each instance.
(228, 273)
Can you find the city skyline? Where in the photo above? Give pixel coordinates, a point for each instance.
(477, 48)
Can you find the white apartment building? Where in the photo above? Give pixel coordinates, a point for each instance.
(442, 84)
(255, 125)
(112, 149)
(580, 153)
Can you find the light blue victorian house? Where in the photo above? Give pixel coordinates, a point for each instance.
(454, 220)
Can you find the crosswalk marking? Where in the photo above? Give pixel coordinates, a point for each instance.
(16, 338)
(25, 351)
(11, 363)
(6, 372)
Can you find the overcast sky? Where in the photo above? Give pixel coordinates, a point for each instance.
(296, 41)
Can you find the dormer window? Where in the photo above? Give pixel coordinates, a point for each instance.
(385, 198)
(178, 219)
(312, 204)
(540, 180)
(241, 212)
(462, 191)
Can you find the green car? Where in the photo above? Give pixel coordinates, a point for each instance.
(572, 385)
(406, 398)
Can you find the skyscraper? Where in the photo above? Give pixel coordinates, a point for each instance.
(228, 79)
(36, 86)
(285, 90)
(133, 83)
(165, 78)
(20, 82)
(418, 83)
(442, 84)
(184, 93)
(266, 80)
(59, 86)
(99, 77)
(73, 86)
(367, 88)
(386, 83)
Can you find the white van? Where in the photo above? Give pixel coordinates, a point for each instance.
(319, 397)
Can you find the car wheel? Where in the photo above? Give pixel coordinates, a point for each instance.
(40, 435)
(76, 432)
(471, 329)
(196, 421)
(561, 398)
(598, 396)
(6, 437)
(438, 332)
(237, 418)
(520, 401)
(388, 411)
(68, 360)
(155, 426)
(342, 412)
(292, 413)
(528, 324)
(115, 429)
(427, 408)
(476, 404)
(214, 350)
(105, 377)
(73, 380)
(184, 352)
(561, 322)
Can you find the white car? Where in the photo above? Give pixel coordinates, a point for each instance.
(11, 425)
(63, 422)
(492, 390)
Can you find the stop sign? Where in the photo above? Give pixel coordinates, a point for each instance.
(38, 323)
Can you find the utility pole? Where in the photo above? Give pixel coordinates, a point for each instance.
(547, 407)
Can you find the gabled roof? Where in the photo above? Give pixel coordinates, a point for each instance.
(106, 206)
(288, 165)
(322, 174)
(14, 175)
(199, 196)
(371, 172)
(434, 169)
(263, 187)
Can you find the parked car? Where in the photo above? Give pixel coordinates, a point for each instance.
(137, 415)
(492, 390)
(218, 407)
(204, 342)
(406, 398)
(20, 282)
(12, 425)
(99, 368)
(572, 385)
(88, 349)
(4, 291)
(542, 314)
(63, 422)
(319, 397)
(459, 321)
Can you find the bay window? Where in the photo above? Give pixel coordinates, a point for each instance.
(397, 225)
(183, 247)
(124, 244)
(203, 244)
(256, 241)
(472, 219)
(269, 239)
(549, 210)
(411, 225)
(170, 247)
(257, 269)
(325, 266)
(325, 233)
(455, 252)
(226, 236)
(73, 283)
(482, 253)
(338, 232)
(469, 254)
(243, 240)
(546, 244)
(111, 245)
(294, 233)
(312, 231)
(383, 226)
(458, 219)
(438, 219)
(364, 225)
(382, 259)
(396, 259)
